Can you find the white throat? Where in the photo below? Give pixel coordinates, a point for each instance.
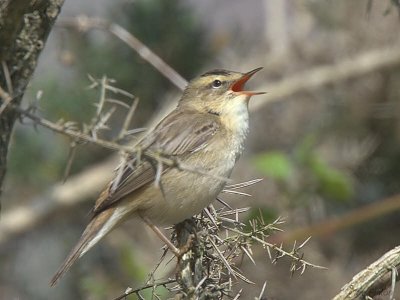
(235, 117)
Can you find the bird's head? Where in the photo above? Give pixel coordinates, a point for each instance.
(218, 91)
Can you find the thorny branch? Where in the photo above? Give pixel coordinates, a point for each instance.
(130, 291)
(257, 235)
(216, 243)
(90, 134)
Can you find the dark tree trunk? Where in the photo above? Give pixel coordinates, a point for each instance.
(24, 28)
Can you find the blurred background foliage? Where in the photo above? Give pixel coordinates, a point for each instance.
(323, 153)
(177, 40)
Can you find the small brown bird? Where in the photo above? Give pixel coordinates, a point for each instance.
(206, 132)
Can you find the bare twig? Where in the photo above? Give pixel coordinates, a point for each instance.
(65, 129)
(248, 254)
(124, 129)
(337, 223)
(100, 120)
(145, 287)
(262, 291)
(84, 23)
(6, 100)
(151, 274)
(375, 279)
(223, 259)
(7, 78)
(7, 97)
(71, 156)
(102, 98)
(238, 295)
(395, 274)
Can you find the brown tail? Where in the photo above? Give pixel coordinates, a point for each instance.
(100, 225)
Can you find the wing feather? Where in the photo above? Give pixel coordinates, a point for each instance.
(173, 136)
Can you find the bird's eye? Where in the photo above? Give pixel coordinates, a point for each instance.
(216, 84)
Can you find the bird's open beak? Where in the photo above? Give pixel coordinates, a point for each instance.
(238, 86)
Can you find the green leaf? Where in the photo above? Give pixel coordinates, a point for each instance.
(274, 164)
(332, 182)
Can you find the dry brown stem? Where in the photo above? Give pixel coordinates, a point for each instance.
(130, 291)
(374, 280)
(337, 223)
(84, 23)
